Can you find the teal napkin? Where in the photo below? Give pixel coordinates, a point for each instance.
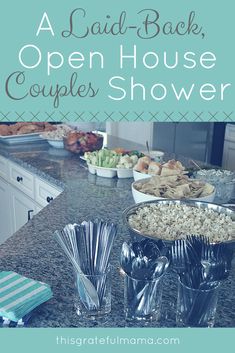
(19, 295)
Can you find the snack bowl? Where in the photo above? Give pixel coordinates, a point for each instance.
(101, 171)
(136, 234)
(110, 172)
(91, 169)
(56, 143)
(124, 173)
(106, 172)
(223, 180)
(138, 175)
(142, 197)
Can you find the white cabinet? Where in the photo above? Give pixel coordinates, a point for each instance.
(22, 196)
(229, 155)
(229, 148)
(230, 132)
(6, 228)
(3, 167)
(23, 208)
(37, 209)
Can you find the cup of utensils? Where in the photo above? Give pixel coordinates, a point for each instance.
(201, 268)
(88, 246)
(144, 264)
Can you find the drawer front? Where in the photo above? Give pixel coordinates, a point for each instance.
(22, 180)
(4, 168)
(44, 192)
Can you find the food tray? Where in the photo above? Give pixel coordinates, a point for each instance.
(53, 142)
(110, 172)
(17, 139)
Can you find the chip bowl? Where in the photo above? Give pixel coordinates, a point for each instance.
(138, 175)
(142, 197)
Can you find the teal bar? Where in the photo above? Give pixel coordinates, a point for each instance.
(127, 340)
(192, 81)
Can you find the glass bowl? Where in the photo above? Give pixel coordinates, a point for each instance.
(222, 180)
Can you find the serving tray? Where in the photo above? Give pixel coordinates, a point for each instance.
(18, 139)
(121, 173)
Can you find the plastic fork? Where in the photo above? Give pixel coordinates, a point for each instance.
(177, 256)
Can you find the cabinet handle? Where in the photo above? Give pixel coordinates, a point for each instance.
(49, 199)
(29, 214)
(19, 179)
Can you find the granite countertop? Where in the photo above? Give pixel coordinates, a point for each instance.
(32, 251)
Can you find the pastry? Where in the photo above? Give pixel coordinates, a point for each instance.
(4, 130)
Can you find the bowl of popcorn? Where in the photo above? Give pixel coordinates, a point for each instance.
(169, 220)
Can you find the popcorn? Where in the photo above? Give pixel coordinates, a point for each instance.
(175, 221)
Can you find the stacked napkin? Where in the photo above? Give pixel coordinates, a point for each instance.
(20, 295)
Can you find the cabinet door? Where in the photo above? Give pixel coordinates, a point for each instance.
(229, 155)
(37, 209)
(4, 168)
(6, 229)
(21, 207)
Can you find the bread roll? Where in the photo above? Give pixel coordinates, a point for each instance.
(4, 130)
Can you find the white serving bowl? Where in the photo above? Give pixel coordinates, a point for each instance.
(91, 169)
(110, 172)
(124, 173)
(101, 171)
(139, 175)
(106, 172)
(141, 197)
(56, 143)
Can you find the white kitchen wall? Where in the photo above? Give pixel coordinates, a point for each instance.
(88, 126)
(189, 139)
(138, 132)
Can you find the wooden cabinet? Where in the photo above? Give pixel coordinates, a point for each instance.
(6, 227)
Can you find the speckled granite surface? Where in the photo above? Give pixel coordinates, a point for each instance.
(33, 252)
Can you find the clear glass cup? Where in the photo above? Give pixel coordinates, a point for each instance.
(196, 307)
(102, 284)
(142, 299)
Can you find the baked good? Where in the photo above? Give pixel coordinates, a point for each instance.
(4, 130)
(21, 128)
